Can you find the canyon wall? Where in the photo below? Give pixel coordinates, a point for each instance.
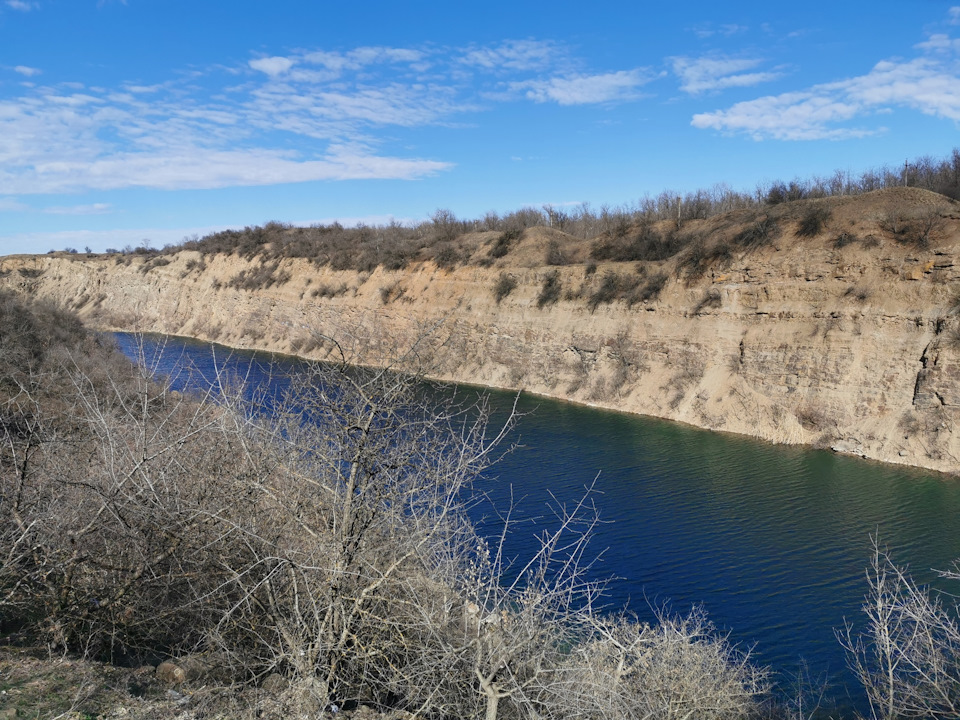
(847, 340)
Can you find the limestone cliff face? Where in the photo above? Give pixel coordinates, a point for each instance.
(853, 345)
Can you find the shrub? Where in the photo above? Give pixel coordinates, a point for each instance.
(711, 299)
(329, 291)
(391, 292)
(260, 277)
(645, 243)
(858, 294)
(554, 255)
(550, 292)
(502, 246)
(844, 239)
(650, 290)
(154, 263)
(700, 257)
(447, 257)
(813, 221)
(504, 286)
(759, 233)
(613, 287)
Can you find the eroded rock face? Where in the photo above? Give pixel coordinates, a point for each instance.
(855, 348)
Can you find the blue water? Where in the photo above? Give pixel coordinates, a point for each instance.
(772, 541)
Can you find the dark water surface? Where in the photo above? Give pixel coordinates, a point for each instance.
(772, 541)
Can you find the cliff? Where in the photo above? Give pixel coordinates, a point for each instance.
(841, 333)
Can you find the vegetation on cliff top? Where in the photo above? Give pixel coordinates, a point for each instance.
(651, 230)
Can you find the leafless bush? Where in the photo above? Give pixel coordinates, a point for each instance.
(550, 292)
(504, 286)
(613, 286)
(502, 246)
(843, 239)
(758, 234)
(813, 221)
(711, 299)
(679, 668)
(700, 257)
(320, 534)
(908, 656)
(812, 418)
(643, 242)
(911, 226)
(447, 257)
(858, 294)
(555, 255)
(260, 277)
(325, 290)
(391, 292)
(650, 289)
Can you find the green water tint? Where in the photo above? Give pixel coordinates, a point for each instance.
(773, 541)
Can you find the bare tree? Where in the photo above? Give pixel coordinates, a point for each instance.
(908, 656)
(320, 533)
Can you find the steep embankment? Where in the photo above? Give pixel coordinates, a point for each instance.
(849, 338)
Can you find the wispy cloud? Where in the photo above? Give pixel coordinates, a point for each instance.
(929, 84)
(26, 71)
(304, 116)
(712, 73)
(94, 209)
(21, 5)
(725, 30)
(585, 89)
(521, 55)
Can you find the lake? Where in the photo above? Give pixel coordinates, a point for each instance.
(772, 541)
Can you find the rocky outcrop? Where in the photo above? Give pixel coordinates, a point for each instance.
(847, 340)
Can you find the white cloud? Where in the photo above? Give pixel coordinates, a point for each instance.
(953, 16)
(707, 74)
(94, 209)
(929, 84)
(312, 115)
(21, 5)
(26, 71)
(584, 89)
(272, 66)
(359, 58)
(521, 55)
(206, 169)
(939, 42)
(791, 116)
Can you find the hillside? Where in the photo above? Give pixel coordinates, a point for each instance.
(832, 322)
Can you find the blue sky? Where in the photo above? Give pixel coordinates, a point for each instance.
(157, 119)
